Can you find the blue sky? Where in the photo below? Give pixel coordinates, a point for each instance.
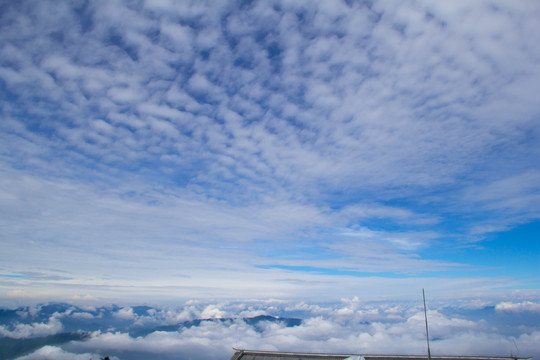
(315, 150)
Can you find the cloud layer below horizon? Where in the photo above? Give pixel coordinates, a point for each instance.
(353, 327)
(162, 149)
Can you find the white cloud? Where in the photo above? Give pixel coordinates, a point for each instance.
(518, 307)
(352, 326)
(376, 328)
(82, 315)
(56, 353)
(125, 314)
(215, 133)
(212, 312)
(51, 327)
(514, 194)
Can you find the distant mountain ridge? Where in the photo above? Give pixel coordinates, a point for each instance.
(108, 318)
(12, 348)
(77, 324)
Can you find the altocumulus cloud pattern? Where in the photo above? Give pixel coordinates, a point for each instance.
(152, 151)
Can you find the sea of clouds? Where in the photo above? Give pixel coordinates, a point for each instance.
(352, 327)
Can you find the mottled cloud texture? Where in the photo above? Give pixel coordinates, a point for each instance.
(157, 150)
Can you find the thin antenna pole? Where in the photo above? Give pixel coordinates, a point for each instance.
(427, 331)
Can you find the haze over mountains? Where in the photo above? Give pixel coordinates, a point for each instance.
(209, 331)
